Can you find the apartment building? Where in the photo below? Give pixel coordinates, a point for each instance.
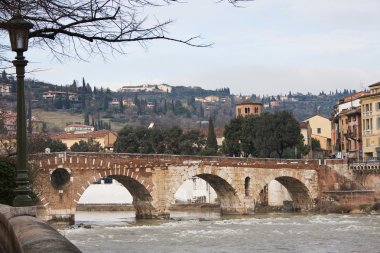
(370, 122)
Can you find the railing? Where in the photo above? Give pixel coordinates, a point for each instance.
(367, 166)
(368, 113)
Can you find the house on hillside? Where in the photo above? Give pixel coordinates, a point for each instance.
(10, 123)
(60, 94)
(5, 89)
(106, 138)
(78, 128)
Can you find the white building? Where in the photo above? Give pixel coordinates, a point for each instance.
(147, 88)
(5, 89)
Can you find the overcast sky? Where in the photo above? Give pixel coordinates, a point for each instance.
(267, 47)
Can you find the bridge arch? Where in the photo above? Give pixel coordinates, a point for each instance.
(230, 202)
(142, 198)
(298, 191)
(138, 188)
(61, 190)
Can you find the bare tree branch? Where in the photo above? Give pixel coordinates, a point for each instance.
(71, 28)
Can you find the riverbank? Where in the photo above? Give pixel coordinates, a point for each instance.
(105, 207)
(325, 208)
(130, 207)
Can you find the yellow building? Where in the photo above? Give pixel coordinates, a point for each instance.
(106, 138)
(248, 107)
(370, 112)
(321, 130)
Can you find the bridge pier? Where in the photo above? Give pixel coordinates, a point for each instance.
(145, 210)
(58, 216)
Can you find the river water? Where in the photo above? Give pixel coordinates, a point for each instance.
(209, 232)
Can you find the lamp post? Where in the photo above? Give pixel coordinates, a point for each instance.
(18, 29)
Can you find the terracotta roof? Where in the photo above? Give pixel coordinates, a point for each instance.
(79, 125)
(95, 134)
(249, 102)
(355, 96)
(375, 84)
(304, 124)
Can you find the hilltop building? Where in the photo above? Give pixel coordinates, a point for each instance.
(248, 107)
(147, 88)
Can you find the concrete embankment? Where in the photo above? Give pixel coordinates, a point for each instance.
(21, 231)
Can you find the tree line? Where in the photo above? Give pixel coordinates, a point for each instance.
(270, 135)
(164, 140)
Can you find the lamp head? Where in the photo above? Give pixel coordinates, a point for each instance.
(18, 29)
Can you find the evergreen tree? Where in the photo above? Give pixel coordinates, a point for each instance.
(4, 77)
(211, 137)
(86, 118)
(121, 105)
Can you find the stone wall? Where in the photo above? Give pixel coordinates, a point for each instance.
(21, 231)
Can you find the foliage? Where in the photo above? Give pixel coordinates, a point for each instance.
(232, 134)
(7, 180)
(211, 144)
(37, 143)
(169, 140)
(82, 28)
(315, 144)
(86, 146)
(267, 135)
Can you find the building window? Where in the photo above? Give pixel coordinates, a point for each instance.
(239, 111)
(319, 131)
(377, 106)
(247, 110)
(378, 122)
(256, 110)
(368, 107)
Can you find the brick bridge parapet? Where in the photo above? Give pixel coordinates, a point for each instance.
(61, 179)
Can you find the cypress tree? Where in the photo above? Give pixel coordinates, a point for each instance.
(211, 137)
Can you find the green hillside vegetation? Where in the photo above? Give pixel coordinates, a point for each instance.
(80, 102)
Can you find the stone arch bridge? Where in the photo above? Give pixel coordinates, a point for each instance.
(60, 179)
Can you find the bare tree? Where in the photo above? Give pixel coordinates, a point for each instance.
(82, 28)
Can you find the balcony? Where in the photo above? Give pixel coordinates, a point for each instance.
(366, 114)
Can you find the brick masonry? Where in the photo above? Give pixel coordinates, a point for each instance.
(153, 180)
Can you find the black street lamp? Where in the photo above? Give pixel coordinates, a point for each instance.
(18, 29)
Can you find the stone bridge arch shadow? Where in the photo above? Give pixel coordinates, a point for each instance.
(300, 194)
(230, 202)
(142, 198)
(65, 186)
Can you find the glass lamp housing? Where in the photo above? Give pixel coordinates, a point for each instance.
(18, 29)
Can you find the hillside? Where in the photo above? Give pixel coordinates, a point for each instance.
(186, 107)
